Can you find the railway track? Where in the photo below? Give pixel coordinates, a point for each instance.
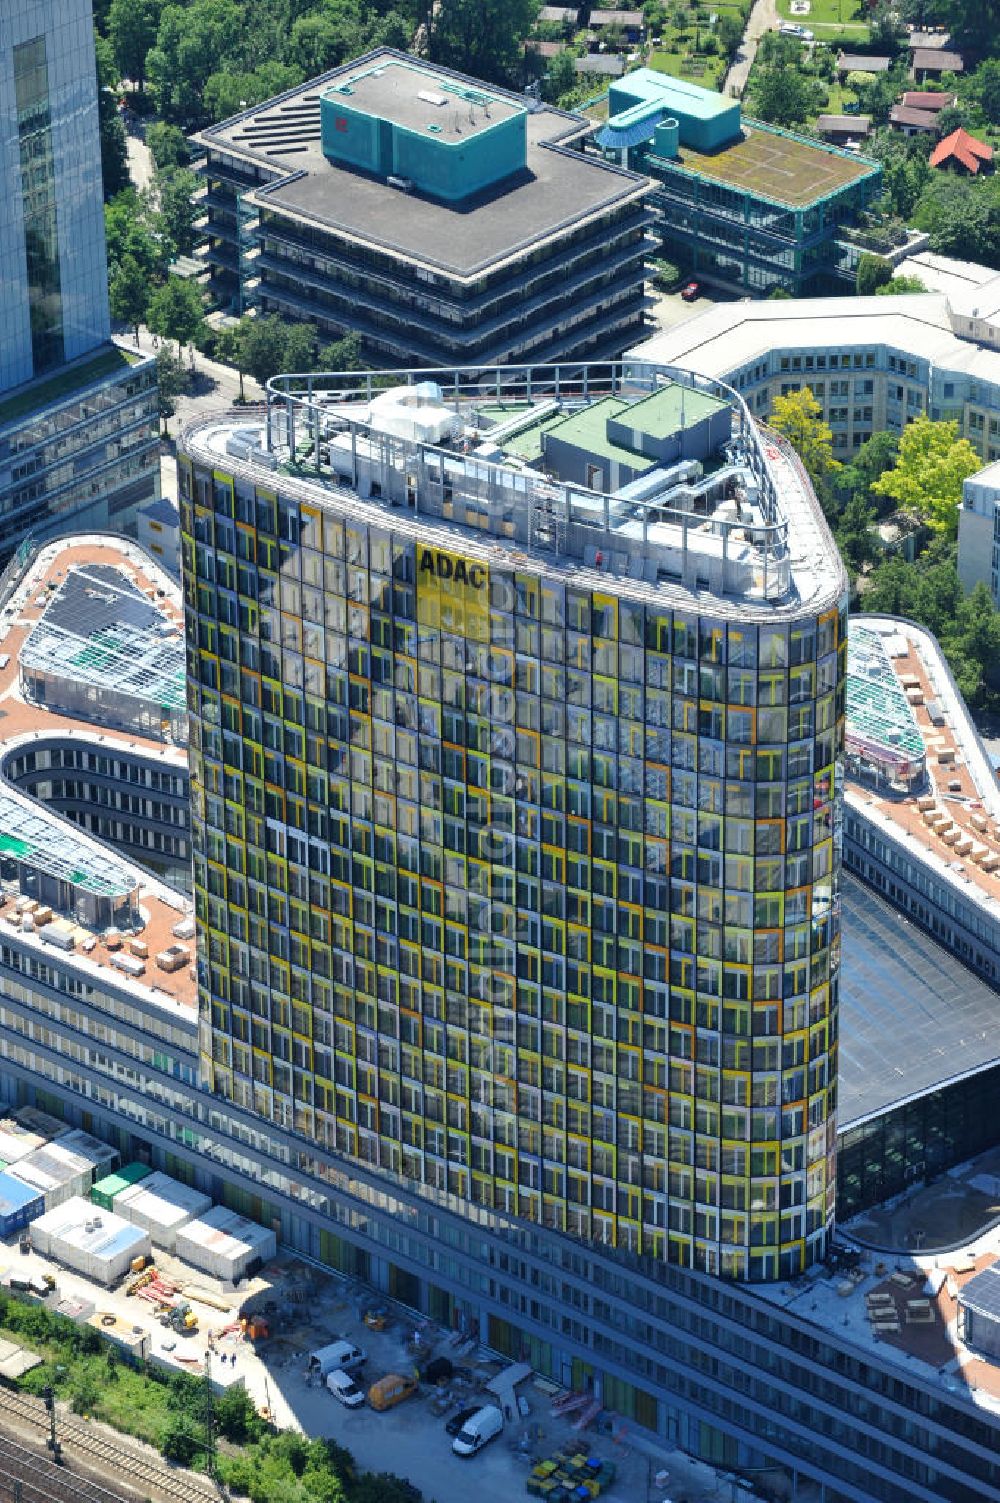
(27, 1478)
(84, 1440)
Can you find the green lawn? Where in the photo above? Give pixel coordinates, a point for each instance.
(828, 15)
(707, 71)
(839, 96)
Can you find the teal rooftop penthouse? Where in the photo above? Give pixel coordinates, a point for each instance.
(445, 137)
(742, 204)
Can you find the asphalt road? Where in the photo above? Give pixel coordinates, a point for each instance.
(763, 17)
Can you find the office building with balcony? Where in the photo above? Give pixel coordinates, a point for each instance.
(441, 219)
(743, 205)
(78, 420)
(104, 1032)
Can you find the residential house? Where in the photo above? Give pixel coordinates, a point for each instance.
(932, 62)
(859, 62)
(630, 22)
(843, 128)
(963, 153)
(602, 64)
(917, 111)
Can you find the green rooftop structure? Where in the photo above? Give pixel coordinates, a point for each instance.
(742, 204)
(608, 444)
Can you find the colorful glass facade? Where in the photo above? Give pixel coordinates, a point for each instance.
(522, 889)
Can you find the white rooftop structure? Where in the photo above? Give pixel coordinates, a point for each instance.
(944, 273)
(728, 336)
(748, 527)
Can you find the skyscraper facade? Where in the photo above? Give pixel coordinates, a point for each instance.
(515, 823)
(79, 422)
(53, 274)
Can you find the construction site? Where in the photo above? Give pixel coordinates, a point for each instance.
(171, 1282)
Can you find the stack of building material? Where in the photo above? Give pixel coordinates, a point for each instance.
(226, 1245)
(161, 1206)
(96, 1243)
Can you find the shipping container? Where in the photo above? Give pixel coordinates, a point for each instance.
(104, 1191)
(161, 1206)
(16, 1142)
(65, 1167)
(96, 1243)
(19, 1204)
(225, 1244)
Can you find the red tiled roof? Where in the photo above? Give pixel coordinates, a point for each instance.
(963, 148)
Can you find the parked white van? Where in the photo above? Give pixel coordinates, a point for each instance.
(344, 1388)
(343, 1354)
(484, 1425)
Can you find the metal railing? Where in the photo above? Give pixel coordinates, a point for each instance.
(311, 426)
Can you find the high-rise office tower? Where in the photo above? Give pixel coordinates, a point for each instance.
(53, 272)
(517, 723)
(78, 422)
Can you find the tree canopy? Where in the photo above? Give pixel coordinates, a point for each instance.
(131, 29)
(481, 37)
(967, 624)
(176, 310)
(873, 272)
(927, 477)
(800, 418)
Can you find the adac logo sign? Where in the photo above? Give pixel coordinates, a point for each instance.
(449, 567)
(453, 594)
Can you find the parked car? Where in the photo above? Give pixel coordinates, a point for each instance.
(391, 1390)
(690, 291)
(342, 1354)
(484, 1426)
(344, 1388)
(460, 1420)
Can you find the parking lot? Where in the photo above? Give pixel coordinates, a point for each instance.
(306, 1308)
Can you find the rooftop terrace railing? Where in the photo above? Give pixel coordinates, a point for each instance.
(301, 408)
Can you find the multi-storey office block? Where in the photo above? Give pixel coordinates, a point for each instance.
(516, 832)
(439, 218)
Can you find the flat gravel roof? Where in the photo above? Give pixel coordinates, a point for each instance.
(560, 188)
